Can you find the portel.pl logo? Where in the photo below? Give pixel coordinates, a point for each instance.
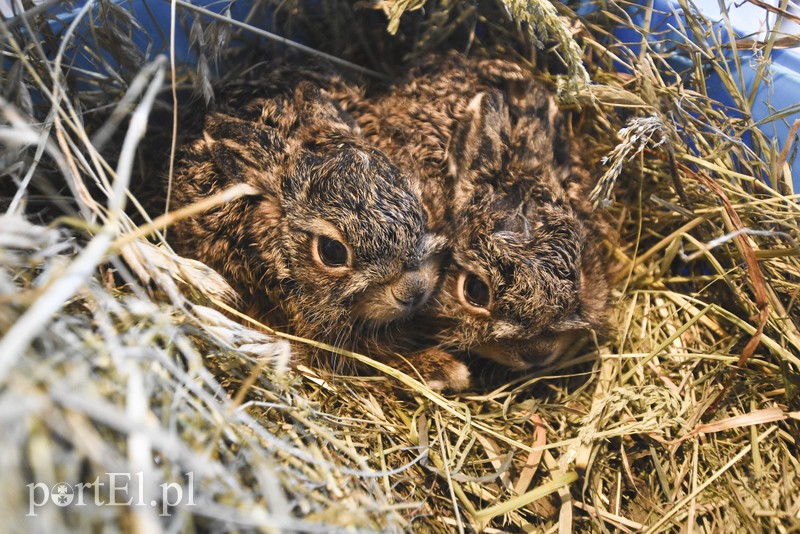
(115, 490)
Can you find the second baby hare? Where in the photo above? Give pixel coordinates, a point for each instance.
(525, 275)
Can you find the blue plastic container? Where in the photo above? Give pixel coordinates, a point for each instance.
(150, 34)
(779, 90)
(146, 23)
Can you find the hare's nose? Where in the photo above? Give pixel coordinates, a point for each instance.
(414, 299)
(411, 290)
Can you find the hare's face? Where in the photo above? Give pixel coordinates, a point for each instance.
(513, 290)
(356, 235)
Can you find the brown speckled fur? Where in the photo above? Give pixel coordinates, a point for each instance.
(493, 157)
(314, 174)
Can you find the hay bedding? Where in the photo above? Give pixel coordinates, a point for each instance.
(116, 358)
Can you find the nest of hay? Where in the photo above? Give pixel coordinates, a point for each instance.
(118, 367)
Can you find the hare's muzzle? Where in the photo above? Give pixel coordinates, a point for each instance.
(517, 353)
(412, 289)
(396, 298)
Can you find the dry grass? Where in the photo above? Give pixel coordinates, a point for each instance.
(115, 357)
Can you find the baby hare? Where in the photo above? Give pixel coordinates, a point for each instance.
(525, 274)
(333, 243)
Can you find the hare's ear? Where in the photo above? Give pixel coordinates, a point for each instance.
(241, 150)
(319, 110)
(477, 149)
(304, 106)
(278, 113)
(501, 71)
(541, 129)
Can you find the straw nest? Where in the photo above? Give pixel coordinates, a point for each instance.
(117, 358)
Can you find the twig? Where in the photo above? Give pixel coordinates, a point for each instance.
(174, 87)
(784, 155)
(33, 11)
(778, 11)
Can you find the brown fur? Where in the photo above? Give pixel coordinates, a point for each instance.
(493, 157)
(315, 176)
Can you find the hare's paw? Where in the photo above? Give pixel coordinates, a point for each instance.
(441, 370)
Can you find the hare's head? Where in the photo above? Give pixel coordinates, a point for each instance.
(334, 235)
(355, 232)
(514, 284)
(517, 288)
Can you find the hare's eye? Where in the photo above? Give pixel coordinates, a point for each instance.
(331, 252)
(474, 292)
